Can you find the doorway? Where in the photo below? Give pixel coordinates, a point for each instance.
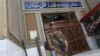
(67, 23)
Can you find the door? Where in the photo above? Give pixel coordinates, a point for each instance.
(70, 27)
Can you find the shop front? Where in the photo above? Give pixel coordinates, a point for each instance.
(91, 22)
(66, 16)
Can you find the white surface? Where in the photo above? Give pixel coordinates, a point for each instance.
(14, 50)
(95, 52)
(33, 34)
(8, 48)
(3, 47)
(34, 52)
(92, 43)
(93, 3)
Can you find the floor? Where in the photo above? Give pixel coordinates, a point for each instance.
(34, 52)
(8, 48)
(89, 53)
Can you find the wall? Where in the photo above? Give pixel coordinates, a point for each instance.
(8, 48)
(9, 12)
(93, 3)
(3, 18)
(13, 18)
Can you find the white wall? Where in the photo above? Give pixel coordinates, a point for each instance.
(34, 52)
(8, 48)
(93, 3)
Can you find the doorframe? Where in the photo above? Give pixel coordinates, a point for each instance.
(43, 12)
(61, 12)
(38, 16)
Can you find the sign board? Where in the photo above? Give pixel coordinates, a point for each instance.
(27, 5)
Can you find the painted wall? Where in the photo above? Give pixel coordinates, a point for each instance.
(93, 3)
(3, 18)
(13, 17)
(8, 48)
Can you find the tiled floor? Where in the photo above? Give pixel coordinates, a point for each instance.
(89, 53)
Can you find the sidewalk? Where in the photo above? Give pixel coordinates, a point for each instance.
(89, 53)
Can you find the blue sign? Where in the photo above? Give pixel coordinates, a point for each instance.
(38, 5)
